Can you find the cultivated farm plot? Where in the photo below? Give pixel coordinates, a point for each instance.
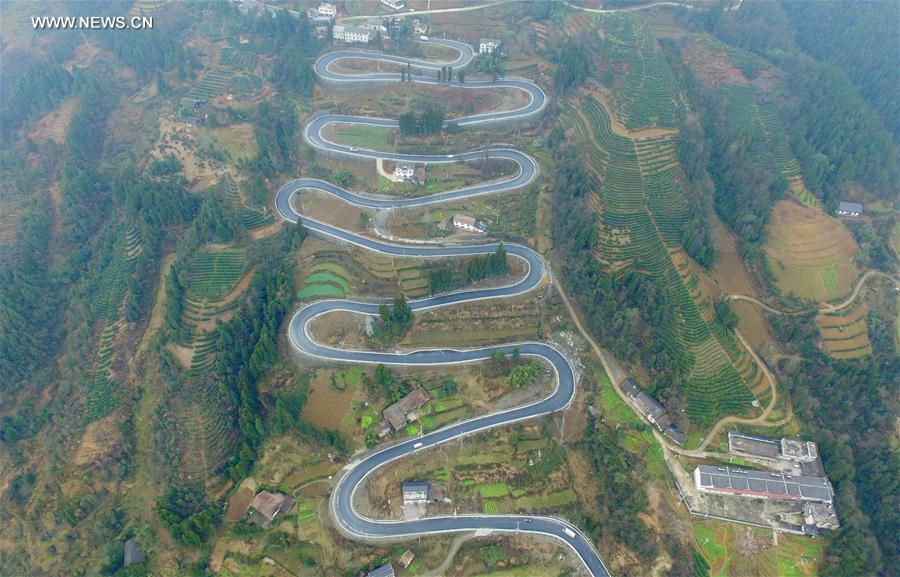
(214, 273)
(845, 333)
(810, 253)
(740, 550)
(101, 394)
(325, 280)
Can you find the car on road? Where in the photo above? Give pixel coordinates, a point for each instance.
(449, 156)
(569, 532)
(417, 445)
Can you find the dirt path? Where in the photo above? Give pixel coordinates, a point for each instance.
(616, 376)
(825, 308)
(441, 569)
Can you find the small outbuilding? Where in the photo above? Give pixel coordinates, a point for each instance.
(849, 209)
(134, 555)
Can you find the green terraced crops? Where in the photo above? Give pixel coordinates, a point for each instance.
(644, 90)
(214, 273)
(494, 490)
(642, 212)
(250, 218)
(327, 278)
(211, 85)
(102, 393)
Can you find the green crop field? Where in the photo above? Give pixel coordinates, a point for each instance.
(371, 137)
(490, 508)
(214, 273)
(494, 490)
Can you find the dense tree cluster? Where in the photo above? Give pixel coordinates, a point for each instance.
(619, 498)
(186, 513)
(430, 121)
(392, 323)
(857, 37)
(274, 130)
(574, 63)
(446, 277)
(247, 349)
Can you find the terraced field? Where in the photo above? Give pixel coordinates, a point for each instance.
(325, 280)
(213, 278)
(251, 219)
(101, 393)
(644, 85)
(844, 333)
(642, 213)
(810, 254)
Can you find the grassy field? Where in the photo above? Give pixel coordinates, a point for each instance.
(739, 551)
(371, 137)
(810, 254)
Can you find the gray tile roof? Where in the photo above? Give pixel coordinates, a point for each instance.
(762, 483)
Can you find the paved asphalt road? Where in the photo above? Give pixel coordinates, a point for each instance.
(350, 521)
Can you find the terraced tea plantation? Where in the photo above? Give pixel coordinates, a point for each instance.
(213, 273)
(101, 394)
(642, 213)
(644, 84)
(251, 219)
(212, 276)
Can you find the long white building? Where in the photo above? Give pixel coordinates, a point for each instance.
(351, 34)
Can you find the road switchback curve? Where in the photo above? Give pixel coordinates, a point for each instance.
(348, 520)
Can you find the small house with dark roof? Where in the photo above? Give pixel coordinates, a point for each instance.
(416, 491)
(267, 506)
(383, 571)
(647, 405)
(404, 410)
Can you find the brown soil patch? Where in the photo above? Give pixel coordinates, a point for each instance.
(267, 231)
(845, 336)
(330, 209)
(53, 125)
(179, 139)
(710, 62)
(344, 330)
(731, 275)
(326, 405)
(182, 354)
(240, 501)
(98, 442)
(237, 140)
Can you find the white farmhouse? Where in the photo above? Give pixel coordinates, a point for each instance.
(404, 170)
(351, 34)
(468, 223)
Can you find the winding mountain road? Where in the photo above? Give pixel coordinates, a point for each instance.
(348, 519)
